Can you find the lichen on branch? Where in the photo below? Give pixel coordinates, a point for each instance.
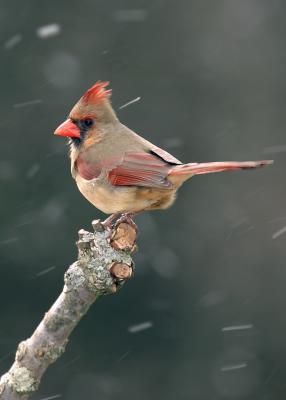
(104, 263)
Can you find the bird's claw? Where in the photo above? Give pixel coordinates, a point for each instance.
(127, 218)
(108, 223)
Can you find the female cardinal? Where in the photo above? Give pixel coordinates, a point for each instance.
(117, 170)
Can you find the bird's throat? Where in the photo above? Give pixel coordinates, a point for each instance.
(75, 142)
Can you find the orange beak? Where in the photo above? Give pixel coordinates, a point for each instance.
(68, 129)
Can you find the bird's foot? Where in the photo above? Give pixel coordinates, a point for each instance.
(108, 223)
(124, 233)
(127, 218)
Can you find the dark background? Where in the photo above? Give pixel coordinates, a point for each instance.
(211, 76)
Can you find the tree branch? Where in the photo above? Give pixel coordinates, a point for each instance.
(103, 264)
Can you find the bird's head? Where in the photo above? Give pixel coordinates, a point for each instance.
(88, 116)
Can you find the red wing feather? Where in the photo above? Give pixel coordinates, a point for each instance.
(140, 169)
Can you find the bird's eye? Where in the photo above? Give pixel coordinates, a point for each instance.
(87, 123)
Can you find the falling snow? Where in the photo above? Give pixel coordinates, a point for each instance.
(62, 69)
(237, 327)
(13, 41)
(55, 396)
(8, 241)
(216, 304)
(28, 103)
(233, 367)
(33, 171)
(45, 271)
(279, 232)
(47, 31)
(140, 327)
(130, 102)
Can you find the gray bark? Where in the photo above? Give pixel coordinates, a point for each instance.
(101, 268)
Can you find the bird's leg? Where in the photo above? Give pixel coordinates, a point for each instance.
(128, 218)
(108, 222)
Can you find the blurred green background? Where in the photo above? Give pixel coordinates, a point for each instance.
(210, 272)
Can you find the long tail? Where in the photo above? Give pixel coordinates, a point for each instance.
(210, 167)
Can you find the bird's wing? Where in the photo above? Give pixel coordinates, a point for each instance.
(135, 168)
(87, 170)
(141, 169)
(164, 155)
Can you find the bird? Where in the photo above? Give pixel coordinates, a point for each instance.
(120, 172)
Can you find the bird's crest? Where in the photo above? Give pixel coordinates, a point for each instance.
(97, 93)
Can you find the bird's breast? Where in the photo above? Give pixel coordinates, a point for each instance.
(128, 199)
(107, 198)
